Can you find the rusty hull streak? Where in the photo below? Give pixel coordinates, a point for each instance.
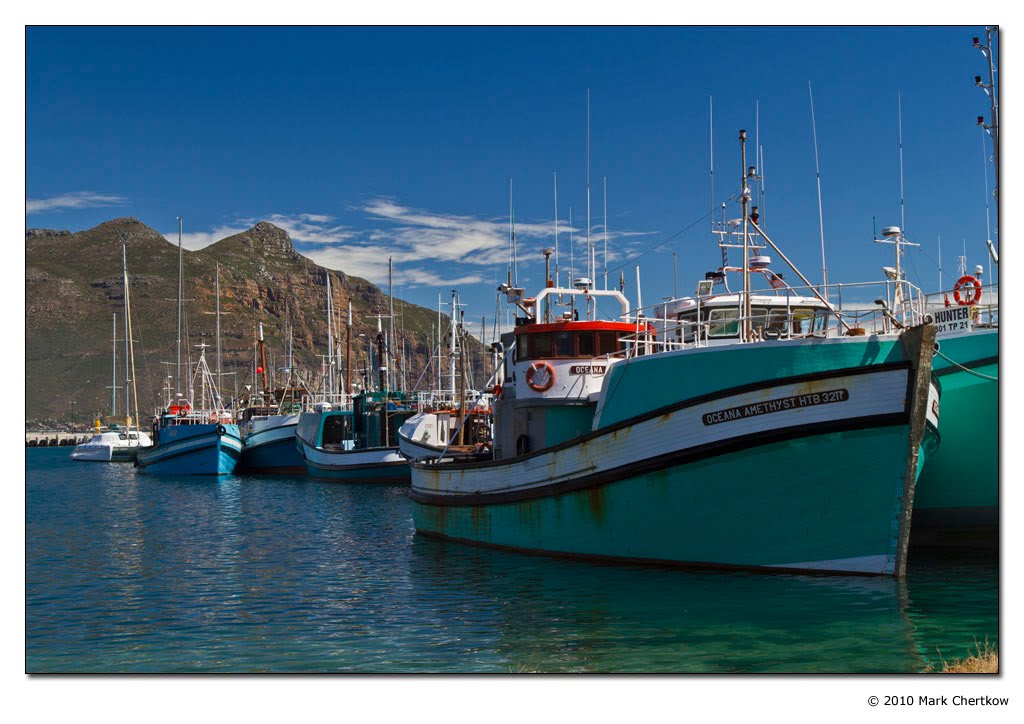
(481, 519)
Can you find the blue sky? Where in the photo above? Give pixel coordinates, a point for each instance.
(370, 142)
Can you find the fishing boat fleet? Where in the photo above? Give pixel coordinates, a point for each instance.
(754, 423)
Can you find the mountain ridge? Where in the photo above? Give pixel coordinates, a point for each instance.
(74, 286)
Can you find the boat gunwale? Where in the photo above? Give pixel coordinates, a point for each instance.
(681, 405)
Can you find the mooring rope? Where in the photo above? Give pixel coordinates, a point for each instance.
(966, 369)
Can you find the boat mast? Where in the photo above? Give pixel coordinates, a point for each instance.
(711, 165)
(590, 248)
(817, 173)
(451, 345)
(744, 200)
(219, 378)
(177, 372)
(263, 362)
(348, 351)
(556, 227)
(129, 346)
(330, 337)
(899, 112)
(113, 371)
(990, 91)
(606, 233)
(392, 372)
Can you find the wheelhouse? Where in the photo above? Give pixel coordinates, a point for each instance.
(578, 340)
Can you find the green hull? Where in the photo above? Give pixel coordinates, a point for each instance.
(959, 487)
(674, 474)
(749, 509)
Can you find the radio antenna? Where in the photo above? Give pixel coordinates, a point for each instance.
(817, 171)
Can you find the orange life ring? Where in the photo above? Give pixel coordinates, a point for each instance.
(532, 372)
(975, 291)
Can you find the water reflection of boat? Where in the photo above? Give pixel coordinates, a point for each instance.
(552, 615)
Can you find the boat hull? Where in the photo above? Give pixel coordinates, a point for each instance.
(375, 465)
(104, 454)
(959, 487)
(812, 472)
(193, 450)
(271, 448)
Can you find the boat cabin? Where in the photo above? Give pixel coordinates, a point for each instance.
(715, 319)
(372, 422)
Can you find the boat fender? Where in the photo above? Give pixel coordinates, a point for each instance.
(221, 430)
(928, 319)
(972, 294)
(522, 445)
(532, 372)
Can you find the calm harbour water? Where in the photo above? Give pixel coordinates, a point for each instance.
(138, 573)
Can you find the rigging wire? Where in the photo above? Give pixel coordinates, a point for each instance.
(631, 259)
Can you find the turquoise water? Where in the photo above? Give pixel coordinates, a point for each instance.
(141, 573)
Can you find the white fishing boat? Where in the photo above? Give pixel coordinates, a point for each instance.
(452, 421)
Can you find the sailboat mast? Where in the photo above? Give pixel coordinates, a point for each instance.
(130, 346)
(392, 372)
(330, 336)
(348, 351)
(451, 347)
(113, 371)
(218, 330)
(263, 360)
(177, 372)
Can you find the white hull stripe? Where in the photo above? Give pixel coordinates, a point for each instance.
(173, 449)
(345, 459)
(844, 401)
(266, 437)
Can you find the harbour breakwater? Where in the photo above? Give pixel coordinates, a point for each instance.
(55, 438)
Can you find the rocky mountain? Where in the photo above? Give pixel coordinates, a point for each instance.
(73, 287)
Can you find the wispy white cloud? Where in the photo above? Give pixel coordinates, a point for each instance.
(74, 200)
(427, 248)
(195, 240)
(312, 228)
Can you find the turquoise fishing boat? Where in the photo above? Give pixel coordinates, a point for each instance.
(731, 443)
(357, 445)
(958, 494)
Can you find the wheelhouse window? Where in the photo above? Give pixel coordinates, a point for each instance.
(337, 429)
(807, 320)
(552, 345)
(724, 322)
(686, 330)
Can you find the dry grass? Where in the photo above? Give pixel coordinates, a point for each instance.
(984, 661)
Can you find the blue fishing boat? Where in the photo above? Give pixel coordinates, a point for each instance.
(268, 420)
(194, 441)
